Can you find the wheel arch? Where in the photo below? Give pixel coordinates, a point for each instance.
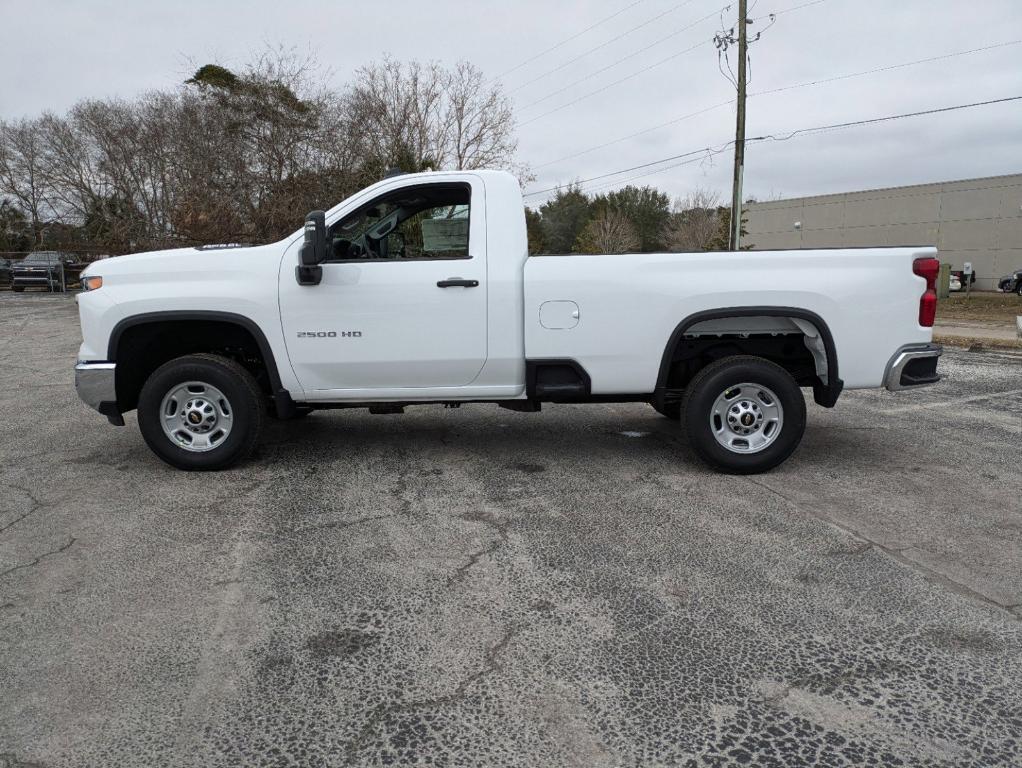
(824, 394)
(162, 321)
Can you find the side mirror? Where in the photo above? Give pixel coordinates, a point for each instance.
(313, 250)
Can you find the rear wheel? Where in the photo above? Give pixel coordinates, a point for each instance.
(744, 414)
(201, 412)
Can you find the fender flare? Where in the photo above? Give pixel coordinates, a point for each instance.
(147, 318)
(824, 394)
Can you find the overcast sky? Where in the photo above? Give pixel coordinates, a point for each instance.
(54, 53)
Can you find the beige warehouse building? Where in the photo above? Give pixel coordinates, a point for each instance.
(975, 220)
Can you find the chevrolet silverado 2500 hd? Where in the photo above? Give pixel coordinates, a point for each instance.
(420, 289)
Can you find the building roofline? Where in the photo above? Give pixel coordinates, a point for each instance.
(884, 189)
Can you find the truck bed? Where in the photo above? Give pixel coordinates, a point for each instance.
(629, 305)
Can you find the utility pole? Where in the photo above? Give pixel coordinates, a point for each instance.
(736, 189)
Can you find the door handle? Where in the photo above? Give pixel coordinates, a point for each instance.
(457, 281)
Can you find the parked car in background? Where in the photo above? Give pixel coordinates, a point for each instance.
(42, 269)
(1011, 283)
(955, 283)
(959, 276)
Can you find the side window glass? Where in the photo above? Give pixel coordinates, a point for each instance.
(414, 223)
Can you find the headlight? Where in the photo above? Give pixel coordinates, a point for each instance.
(92, 282)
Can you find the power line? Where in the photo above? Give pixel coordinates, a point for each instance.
(887, 68)
(783, 11)
(673, 121)
(711, 150)
(598, 47)
(885, 119)
(616, 82)
(645, 69)
(711, 153)
(620, 61)
(778, 90)
(567, 40)
(699, 151)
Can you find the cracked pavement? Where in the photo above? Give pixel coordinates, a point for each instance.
(482, 587)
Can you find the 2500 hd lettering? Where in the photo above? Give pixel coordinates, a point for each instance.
(419, 289)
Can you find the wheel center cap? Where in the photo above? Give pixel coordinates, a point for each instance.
(194, 417)
(747, 419)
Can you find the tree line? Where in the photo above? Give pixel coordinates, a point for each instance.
(238, 156)
(241, 157)
(630, 219)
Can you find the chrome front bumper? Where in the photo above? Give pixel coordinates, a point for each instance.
(96, 387)
(913, 366)
(23, 279)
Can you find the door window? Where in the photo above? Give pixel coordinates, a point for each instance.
(412, 223)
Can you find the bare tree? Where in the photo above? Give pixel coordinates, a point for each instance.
(419, 116)
(479, 122)
(694, 222)
(21, 170)
(244, 155)
(609, 232)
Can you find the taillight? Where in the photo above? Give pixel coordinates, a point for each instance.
(927, 268)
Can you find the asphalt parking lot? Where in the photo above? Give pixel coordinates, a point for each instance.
(481, 587)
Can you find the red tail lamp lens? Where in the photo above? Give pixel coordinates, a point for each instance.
(927, 268)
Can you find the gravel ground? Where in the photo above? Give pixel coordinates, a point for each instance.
(481, 587)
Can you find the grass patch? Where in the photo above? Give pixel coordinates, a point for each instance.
(969, 342)
(1002, 307)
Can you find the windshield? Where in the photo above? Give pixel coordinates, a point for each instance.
(42, 257)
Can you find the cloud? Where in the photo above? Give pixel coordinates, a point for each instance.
(109, 48)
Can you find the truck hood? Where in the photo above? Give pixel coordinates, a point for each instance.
(205, 259)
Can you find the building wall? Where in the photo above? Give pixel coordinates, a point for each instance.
(977, 220)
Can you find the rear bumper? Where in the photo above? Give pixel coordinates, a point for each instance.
(96, 387)
(913, 366)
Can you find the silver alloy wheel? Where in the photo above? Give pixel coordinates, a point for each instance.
(196, 416)
(746, 418)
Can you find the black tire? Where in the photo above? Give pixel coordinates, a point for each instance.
(671, 410)
(1018, 289)
(238, 386)
(715, 379)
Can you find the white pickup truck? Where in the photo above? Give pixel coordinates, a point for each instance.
(419, 289)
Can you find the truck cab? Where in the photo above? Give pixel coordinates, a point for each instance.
(419, 295)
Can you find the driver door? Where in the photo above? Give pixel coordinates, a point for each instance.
(401, 309)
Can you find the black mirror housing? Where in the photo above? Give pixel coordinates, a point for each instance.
(313, 250)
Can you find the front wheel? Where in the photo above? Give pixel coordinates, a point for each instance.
(744, 415)
(201, 412)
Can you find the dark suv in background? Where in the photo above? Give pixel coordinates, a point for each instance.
(42, 269)
(1011, 283)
